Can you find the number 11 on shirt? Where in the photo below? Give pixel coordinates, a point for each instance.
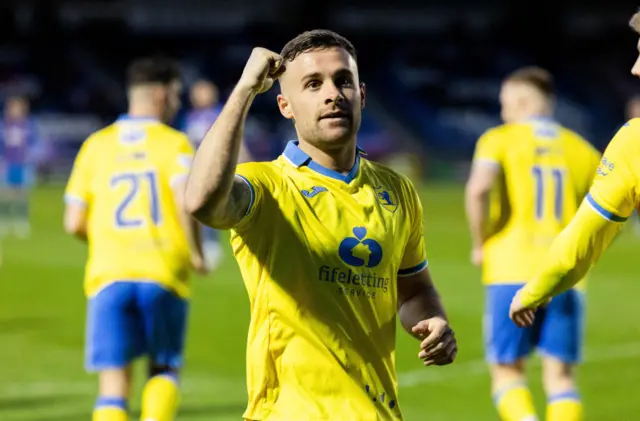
(544, 178)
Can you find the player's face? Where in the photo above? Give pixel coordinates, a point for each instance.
(171, 100)
(203, 95)
(322, 94)
(17, 108)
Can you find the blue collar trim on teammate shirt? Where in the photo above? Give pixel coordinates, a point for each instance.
(127, 117)
(298, 157)
(541, 118)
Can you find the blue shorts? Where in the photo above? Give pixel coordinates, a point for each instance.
(127, 320)
(558, 329)
(15, 175)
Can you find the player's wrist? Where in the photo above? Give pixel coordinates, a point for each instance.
(245, 90)
(529, 300)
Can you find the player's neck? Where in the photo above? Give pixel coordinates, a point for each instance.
(339, 159)
(144, 111)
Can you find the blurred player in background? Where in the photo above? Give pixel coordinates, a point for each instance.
(329, 244)
(613, 197)
(18, 140)
(125, 197)
(633, 111)
(205, 109)
(528, 178)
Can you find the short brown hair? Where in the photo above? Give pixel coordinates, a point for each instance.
(317, 39)
(147, 70)
(634, 23)
(537, 77)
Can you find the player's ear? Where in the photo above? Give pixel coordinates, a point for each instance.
(285, 107)
(363, 95)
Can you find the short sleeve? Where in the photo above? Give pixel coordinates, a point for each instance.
(180, 162)
(414, 258)
(489, 149)
(78, 190)
(612, 193)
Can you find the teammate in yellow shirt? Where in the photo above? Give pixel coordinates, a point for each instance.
(613, 197)
(330, 245)
(125, 197)
(527, 180)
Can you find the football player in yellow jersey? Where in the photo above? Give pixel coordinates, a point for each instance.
(613, 197)
(528, 178)
(125, 197)
(329, 244)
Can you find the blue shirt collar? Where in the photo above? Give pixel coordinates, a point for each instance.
(127, 117)
(540, 119)
(298, 158)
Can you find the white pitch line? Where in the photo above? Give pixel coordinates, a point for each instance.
(479, 367)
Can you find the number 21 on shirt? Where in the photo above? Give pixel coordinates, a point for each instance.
(548, 178)
(137, 186)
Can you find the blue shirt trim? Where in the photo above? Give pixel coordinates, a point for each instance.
(413, 270)
(603, 212)
(298, 157)
(542, 118)
(127, 117)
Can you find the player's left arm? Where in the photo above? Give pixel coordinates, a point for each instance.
(77, 195)
(485, 169)
(420, 308)
(610, 202)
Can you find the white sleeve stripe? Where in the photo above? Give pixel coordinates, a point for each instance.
(178, 178)
(486, 161)
(71, 198)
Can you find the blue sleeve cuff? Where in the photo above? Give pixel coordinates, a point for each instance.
(413, 270)
(603, 212)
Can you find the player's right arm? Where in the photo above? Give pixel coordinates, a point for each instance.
(610, 202)
(77, 194)
(179, 166)
(214, 195)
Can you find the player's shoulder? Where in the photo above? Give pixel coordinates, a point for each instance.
(168, 134)
(382, 176)
(100, 137)
(626, 142)
(264, 171)
(631, 129)
(498, 132)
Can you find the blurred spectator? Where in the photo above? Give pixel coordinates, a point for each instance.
(18, 142)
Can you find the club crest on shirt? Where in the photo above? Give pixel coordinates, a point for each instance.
(386, 198)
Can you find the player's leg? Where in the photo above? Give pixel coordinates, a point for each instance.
(561, 345)
(21, 225)
(165, 317)
(507, 346)
(113, 342)
(18, 200)
(5, 203)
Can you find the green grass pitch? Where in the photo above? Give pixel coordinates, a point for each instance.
(42, 326)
